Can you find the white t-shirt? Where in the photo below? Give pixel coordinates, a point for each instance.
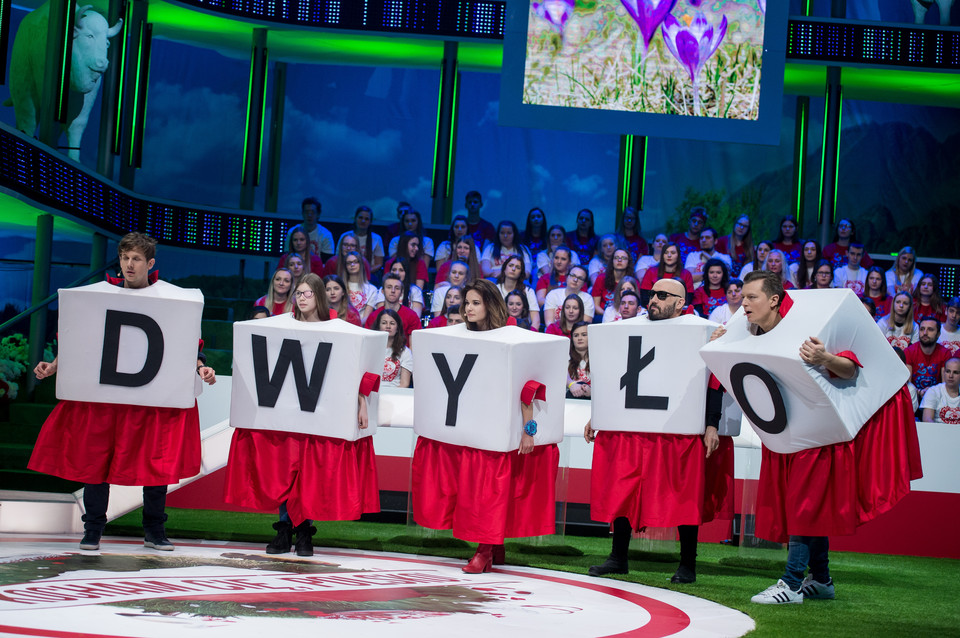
(506, 253)
(361, 295)
(545, 261)
(531, 297)
(555, 298)
(855, 280)
(895, 335)
(391, 367)
(721, 314)
(946, 409)
(645, 263)
(444, 250)
(892, 281)
(949, 340)
(321, 239)
(595, 267)
(696, 260)
(416, 296)
(427, 246)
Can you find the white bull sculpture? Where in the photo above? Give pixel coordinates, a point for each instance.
(91, 34)
(920, 8)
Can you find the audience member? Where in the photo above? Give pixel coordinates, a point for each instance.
(393, 300)
(927, 301)
(949, 334)
(411, 295)
(760, 255)
(413, 223)
(844, 235)
(876, 290)
(583, 240)
(369, 243)
(713, 293)
(571, 313)
(823, 276)
(802, 271)
(320, 239)
(457, 276)
(734, 295)
(903, 276)
(258, 312)
(278, 299)
(513, 276)
(535, 231)
(605, 247)
(294, 263)
(941, 402)
(396, 227)
(852, 276)
(669, 267)
(464, 250)
(452, 296)
(299, 244)
(454, 317)
(575, 282)
(776, 262)
(697, 259)
(518, 307)
(630, 233)
(505, 245)
(629, 305)
(612, 312)
(557, 236)
(926, 357)
(458, 229)
(619, 266)
(786, 240)
(689, 240)
(349, 242)
(338, 300)
(398, 362)
(353, 271)
(578, 370)
(480, 229)
(899, 327)
(646, 262)
(738, 244)
(557, 277)
(410, 248)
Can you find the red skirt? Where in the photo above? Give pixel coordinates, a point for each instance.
(718, 500)
(118, 444)
(485, 496)
(655, 480)
(319, 477)
(832, 490)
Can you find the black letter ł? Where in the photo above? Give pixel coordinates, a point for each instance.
(631, 379)
(291, 354)
(454, 386)
(111, 349)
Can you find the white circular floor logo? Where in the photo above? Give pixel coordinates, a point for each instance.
(48, 588)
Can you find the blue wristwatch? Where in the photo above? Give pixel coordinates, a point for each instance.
(530, 427)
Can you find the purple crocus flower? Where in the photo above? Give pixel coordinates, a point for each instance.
(692, 46)
(556, 12)
(648, 14)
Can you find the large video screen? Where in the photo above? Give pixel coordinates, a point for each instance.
(693, 69)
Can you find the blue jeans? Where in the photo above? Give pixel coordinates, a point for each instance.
(804, 551)
(96, 496)
(285, 517)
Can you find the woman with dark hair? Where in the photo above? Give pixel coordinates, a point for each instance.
(899, 327)
(294, 263)
(578, 371)
(266, 468)
(410, 249)
(535, 231)
(612, 312)
(802, 271)
(605, 247)
(927, 302)
(279, 298)
(786, 240)
(822, 275)
(904, 275)
(452, 296)
(738, 244)
(759, 256)
(349, 242)
(557, 277)
(369, 243)
(669, 266)
(412, 223)
(576, 285)
(844, 235)
(513, 277)
(398, 363)
(556, 237)
(464, 250)
(299, 244)
(445, 252)
(518, 307)
(713, 292)
(876, 289)
(630, 231)
(619, 266)
(339, 301)
(583, 240)
(570, 313)
(353, 271)
(475, 491)
(506, 244)
(646, 262)
(412, 296)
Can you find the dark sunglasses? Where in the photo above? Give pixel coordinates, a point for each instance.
(663, 294)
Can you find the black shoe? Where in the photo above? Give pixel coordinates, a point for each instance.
(283, 541)
(610, 566)
(91, 540)
(304, 542)
(684, 576)
(157, 540)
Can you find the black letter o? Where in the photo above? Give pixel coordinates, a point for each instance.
(778, 423)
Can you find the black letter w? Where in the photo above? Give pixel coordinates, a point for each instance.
(291, 353)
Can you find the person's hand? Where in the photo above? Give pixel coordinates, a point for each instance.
(711, 440)
(719, 332)
(586, 390)
(526, 444)
(207, 374)
(576, 389)
(812, 351)
(362, 421)
(45, 369)
(589, 434)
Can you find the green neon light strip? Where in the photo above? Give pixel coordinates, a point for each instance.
(836, 168)
(643, 175)
(807, 7)
(627, 168)
(453, 127)
(118, 114)
(436, 134)
(64, 88)
(823, 150)
(263, 111)
(246, 128)
(802, 154)
(136, 95)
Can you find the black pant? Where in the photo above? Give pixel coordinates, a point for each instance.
(96, 497)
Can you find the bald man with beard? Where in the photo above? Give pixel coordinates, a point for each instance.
(667, 479)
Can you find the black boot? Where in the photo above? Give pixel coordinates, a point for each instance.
(304, 542)
(282, 542)
(687, 571)
(616, 562)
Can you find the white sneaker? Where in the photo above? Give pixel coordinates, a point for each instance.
(779, 594)
(816, 590)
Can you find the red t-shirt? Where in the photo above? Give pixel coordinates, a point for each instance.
(707, 300)
(637, 246)
(883, 305)
(600, 291)
(923, 311)
(792, 251)
(277, 307)
(438, 322)
(926, 368)
(422, 272)
(738, 256)
(554, 329)
(651, 277)
(837, 255)
(544, 283)
(685, 245)
(482, 231)
(409, 318)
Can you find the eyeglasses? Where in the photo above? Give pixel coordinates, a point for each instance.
(576, 277)
(620, 258)
(353, 262)
(304, 294)
(663, 294)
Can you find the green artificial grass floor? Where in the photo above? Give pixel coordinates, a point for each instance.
(876, 594)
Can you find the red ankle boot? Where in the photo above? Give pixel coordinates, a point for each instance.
(481, 561)
(499, 554)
